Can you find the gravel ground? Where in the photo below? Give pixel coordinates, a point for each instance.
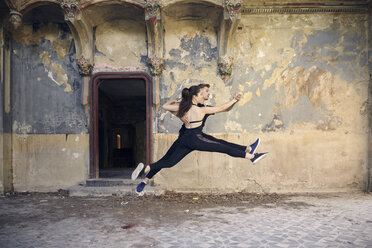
(186, 220)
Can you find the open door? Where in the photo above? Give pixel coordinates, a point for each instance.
(120, 119)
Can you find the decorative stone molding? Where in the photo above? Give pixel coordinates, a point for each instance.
(155, 38)
(70, 8)
(232, 8)
(85, 69)
(156, 65)
(225, 65)
(82, 32)
(12, 4)
(15, 19)
(152, 10)
(250, 11)
(231, 18)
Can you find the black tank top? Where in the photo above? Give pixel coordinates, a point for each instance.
(182, 130)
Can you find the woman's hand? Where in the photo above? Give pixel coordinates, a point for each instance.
(237, 96)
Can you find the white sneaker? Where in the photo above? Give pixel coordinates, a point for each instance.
(137, 171)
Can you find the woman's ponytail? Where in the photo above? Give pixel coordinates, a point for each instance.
(185, 93)
(186, 102)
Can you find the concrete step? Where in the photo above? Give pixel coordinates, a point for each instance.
(111, 182)
(110, 187)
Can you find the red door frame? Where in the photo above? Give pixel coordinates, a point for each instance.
(95, 81)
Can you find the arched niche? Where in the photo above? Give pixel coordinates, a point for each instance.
(53, 11)
(119, 33)
(223, 15)
(105, 11)
(43, 13)
(167, 3)
(194, 10)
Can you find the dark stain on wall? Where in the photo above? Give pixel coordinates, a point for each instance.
(175, 53)
(363, 59)
(275, 125)
(144, 59)
(65, 31)
(96, 51)
(199, 51)
(171, 64)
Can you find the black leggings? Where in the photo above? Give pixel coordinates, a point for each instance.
(195, 139)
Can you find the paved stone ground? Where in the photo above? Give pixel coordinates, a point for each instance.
(54, 220)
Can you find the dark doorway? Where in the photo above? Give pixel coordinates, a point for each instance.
(121, 124)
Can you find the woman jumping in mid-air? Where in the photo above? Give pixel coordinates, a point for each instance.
(193, 138)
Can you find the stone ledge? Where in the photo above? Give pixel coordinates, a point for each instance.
(122, 190)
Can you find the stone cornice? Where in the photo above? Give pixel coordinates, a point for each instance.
(302, 10)
(306, 7)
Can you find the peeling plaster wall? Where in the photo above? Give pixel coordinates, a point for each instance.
(302, 69)
(46, 85)
(190, 58)
(46, 110)
(304, 80)
(120, 44)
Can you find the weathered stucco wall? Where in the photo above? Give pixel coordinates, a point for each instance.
(46, 110)
(46, 85)
(48, 162)
(120, 44)
(304, 80)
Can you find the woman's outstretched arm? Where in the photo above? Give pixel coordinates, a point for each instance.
(236, 95)
(224, 107)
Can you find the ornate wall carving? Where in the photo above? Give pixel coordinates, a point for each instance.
(232, 7)
(15, 19)
(70, 9)
(156, 65)
(231, 18)
(154, 29)
(152, 10)
(225, 65)
(85, 69)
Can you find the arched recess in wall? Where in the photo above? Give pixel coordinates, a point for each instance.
(193, 10)
(71, 15)
(88, 4)
(224, 15)
(195, 25)
(180, 2)
(119, 35)
(42, 13)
